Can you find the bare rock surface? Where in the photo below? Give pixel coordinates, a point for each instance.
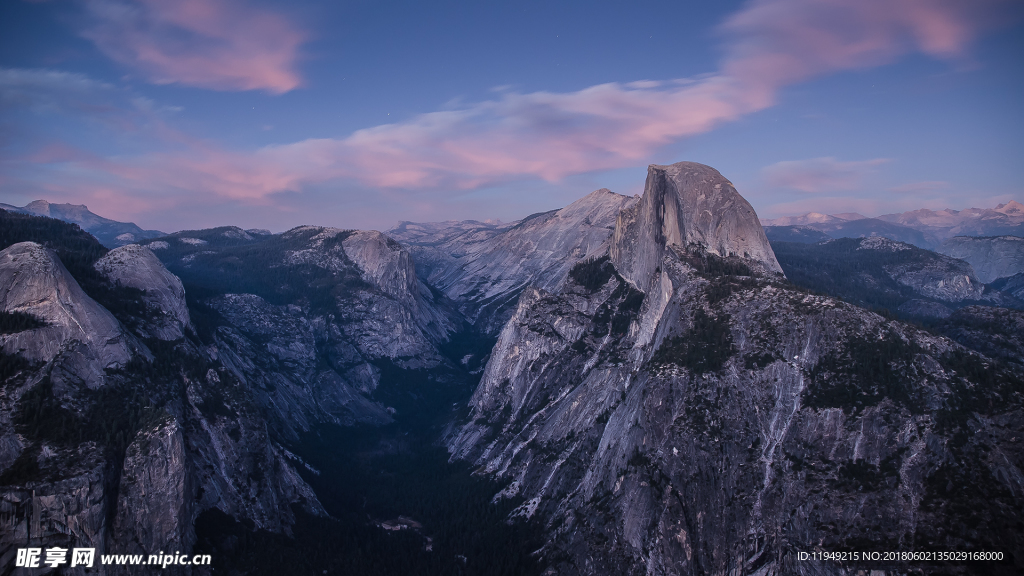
(137, 267)
(484, 268)
(687, 204)
(69, 508)
(33, 281)
(155, 496)
(991, 257)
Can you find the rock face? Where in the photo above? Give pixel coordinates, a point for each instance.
(992, 257)
(717, 420)
(389, 268)
(155, 498)
(279, 352)
(938, 277)
(686, 204)
(105, 443)
(72, 510)
(311, 322)
(33, 281)
(485, 269)
(137, 267)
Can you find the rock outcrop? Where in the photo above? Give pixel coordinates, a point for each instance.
(33, 281)
(155, 498)
(687, 205)
(934, 276)
(137, 267)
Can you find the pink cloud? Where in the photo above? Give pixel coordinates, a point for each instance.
(217, 44)
(819, 174)
(773, 43)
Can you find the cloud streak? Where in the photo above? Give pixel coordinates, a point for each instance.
(215, 44)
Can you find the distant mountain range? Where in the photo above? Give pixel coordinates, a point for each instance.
(924, 228)
(110, 233)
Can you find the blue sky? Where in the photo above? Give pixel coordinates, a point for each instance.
(199, 113)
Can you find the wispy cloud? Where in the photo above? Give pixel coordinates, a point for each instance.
(44, 90)
(216, 44)
(29, 95)
(818, 175)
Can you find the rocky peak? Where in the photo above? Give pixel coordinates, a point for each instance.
(40, 207)
(1012, 207)
(687, 204)
(137, 267)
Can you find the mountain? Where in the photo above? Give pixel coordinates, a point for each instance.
(836, 227)
(114, 438)
(136, 267)
(680, 408)
(144, 410)
(924, 228)
(110, 233)
(1004, 219)
(992, 257)
(802, 234)
(484, 268)
(1012, 285)
(311, 318)
(687, 206)
(812, 218)
(881, 273)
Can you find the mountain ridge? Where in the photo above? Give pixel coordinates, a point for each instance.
(110, 233)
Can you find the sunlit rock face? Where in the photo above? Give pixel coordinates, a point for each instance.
(137, 267)
(992, 257)
(484, 268)
(717, 420)
(86, 335)
(687, 205)
(932, 275)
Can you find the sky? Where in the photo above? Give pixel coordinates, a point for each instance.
(190, 114)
